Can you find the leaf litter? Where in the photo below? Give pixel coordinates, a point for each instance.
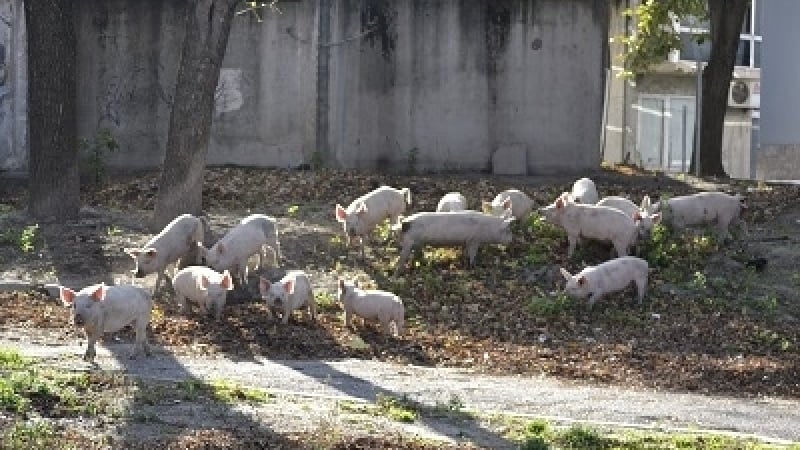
(729, 330)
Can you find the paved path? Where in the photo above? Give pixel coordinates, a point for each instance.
(358, 380)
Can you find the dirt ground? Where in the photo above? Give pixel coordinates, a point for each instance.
(711, 322)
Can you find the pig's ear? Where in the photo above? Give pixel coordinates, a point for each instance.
(99, 294)
(560, 202)
(227, 281)
(341, 214)
(263, 283)
(289, 286)
(656, 218)
(506, 203)
(150, 252)
(66, 295)
(133, 252)
(362, 209)
(204, 282)
(565, 274)
(582, 281)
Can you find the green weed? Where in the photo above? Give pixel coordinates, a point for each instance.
(94, 152)
(398, 409)
(24, 435)
(550, 305)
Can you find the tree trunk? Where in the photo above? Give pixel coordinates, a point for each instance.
(208, 25)
(726, 19)
(53, 176)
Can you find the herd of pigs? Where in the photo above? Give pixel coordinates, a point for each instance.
(204, 275)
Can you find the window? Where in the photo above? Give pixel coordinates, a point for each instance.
(665, 131)
(749, 52)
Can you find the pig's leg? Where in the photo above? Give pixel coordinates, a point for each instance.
(141, 338)
(312, 308)
(572, 242)
(92, 338)
(472, 252)
(287, 311)
(641, 288)
(348, 318)
(620, 249)
(401, 262)
(159, 280)
(184, 304)
(399, 323)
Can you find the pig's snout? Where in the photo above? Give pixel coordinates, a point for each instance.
(78, 320)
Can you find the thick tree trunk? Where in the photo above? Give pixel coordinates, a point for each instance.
(208, 25)
(726, 17)
(54, 178)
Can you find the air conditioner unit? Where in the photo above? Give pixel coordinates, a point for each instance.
(745, 94)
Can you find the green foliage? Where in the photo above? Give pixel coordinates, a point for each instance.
(544, 239)
(94, 152)
(550, 305)
(25, 239)
(654, 35)
(398, 409)
(293, 210)
(222, 391)
(24, 435)
(581, 437)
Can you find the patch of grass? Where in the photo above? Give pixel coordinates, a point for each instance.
(326, 301)
(222, 391)
(547, 305)
(25, 435)
(12, 360)
(292, 210)
(398, 409)
(543, 238)
(25, 239)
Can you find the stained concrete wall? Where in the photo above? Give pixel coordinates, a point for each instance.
(779, 155)
(13, 87)
(454, 80)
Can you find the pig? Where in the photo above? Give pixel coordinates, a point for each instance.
(615, 275)
(292, 292)
(704, 208)
(174, 242)
(646, 219)
(102, 309)
(514, 200)
(270, 227)
(460, 228)
(372, 305)
(237, 246)
(452, 201)
(584, 191)
(369, 210)
(594, 222)
(203, 286)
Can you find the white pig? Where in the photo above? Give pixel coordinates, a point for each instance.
(292, 292)
(369, 210)
(203, 286)
(584, 191)
(174, 242)
(236, 247)
(105, 309)
(270, 227)
(452, 201)
(594, 222)
(460, 228)
(372, 305)
(614, 275)
(520, 204)
(647, 220)
(704, 208)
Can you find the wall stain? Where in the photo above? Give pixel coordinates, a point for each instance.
(380, 16)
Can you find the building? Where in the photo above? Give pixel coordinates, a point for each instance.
(650, 121)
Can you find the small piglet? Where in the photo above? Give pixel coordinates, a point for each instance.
(704, 208)
(292, 292)
(239, 244)
(369, 210)
(452, 201)
(174, 242)
(594, 222)
(204, 287)
(461, 228)
(647, 220)
(102, 309)
(517, 201)
(584, 191)
(372, 305)
(615, 275)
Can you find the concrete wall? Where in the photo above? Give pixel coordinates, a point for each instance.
(455, 80)
(13, 87)
(779, 155)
